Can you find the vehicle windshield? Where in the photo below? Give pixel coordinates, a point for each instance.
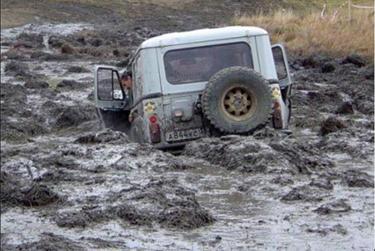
(199, 64)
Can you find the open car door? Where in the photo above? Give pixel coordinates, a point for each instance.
(109, 94)
(112, 104)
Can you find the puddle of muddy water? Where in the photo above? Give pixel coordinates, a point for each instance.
(254, 220)
(250, 218)
(44, 29)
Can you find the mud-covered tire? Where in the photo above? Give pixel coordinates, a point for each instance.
(218, 105)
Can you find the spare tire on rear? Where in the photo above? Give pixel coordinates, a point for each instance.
(237, 100)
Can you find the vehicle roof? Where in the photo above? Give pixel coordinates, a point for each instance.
(202, 35)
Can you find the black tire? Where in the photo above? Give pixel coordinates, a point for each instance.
(252, 107)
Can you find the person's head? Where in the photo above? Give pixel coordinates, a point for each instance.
(126, 80)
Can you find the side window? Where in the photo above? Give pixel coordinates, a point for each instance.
(108, 85)
(278, 57)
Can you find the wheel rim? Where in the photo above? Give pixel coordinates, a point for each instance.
(238, 103)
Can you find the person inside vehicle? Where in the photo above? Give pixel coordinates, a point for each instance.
(126, 80)
(127, 84)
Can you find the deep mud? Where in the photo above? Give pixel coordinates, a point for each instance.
(69, 184)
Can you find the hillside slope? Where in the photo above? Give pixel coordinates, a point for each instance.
(165, 14)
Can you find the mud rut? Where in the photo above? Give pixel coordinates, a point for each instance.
(68, 184)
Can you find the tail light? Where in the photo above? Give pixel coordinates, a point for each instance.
(276, 106)
(277, 117)
(153, 119)
(154, 129)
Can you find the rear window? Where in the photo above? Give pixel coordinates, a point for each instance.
(199, 64)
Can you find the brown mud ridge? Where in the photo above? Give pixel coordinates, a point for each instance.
(69, 184)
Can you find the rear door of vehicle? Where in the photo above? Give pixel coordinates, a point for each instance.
(109, 94)
(185, 71)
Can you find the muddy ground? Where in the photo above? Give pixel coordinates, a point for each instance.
(69, 184)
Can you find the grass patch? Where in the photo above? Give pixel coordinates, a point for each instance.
(309, 33)
(53, 83)
(17, 17)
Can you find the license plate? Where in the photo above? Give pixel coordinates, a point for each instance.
(184, 134)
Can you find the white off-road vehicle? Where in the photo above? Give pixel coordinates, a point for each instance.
(199, 83)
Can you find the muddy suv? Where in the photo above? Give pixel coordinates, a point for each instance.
(199, 83)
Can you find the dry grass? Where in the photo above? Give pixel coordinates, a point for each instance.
(331, 34)
(16, 17)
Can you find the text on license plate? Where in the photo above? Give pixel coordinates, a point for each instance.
(184, 134)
